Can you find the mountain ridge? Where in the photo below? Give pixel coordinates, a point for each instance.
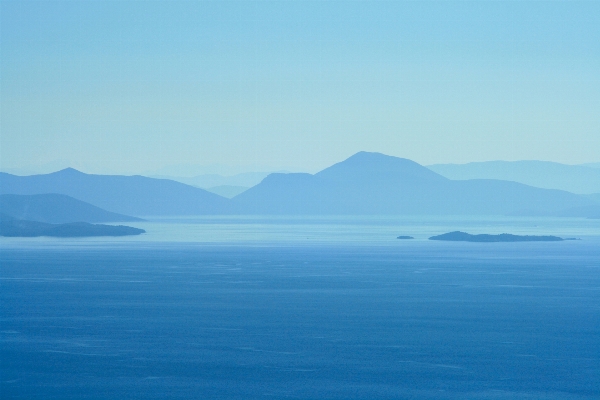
(579, 179)
(363, 184)
(392, 185)
(131, 195)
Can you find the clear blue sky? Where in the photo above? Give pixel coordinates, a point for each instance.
(133, 86)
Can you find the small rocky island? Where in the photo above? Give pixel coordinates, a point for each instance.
(458, 236)
(12, 227)
(405, 237)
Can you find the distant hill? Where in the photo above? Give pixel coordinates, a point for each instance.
(12, 227)
(227, 191)
(549, 175)
(373, 183)
(131, 195)
(206, 181)
(56, 209)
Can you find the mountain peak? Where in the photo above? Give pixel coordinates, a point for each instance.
(378, 166)
(370, 157)
(69, 171)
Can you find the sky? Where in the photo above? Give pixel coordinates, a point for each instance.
(133, 87)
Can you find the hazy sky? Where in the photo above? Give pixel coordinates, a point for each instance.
(134, 86)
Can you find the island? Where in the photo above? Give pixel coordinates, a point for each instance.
(458, 236)
(405, 237)
(12, 227)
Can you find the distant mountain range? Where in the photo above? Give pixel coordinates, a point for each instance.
(227, 190)
(373, 183)
(206, 181)
(226, 186)
(56, 209)
(130, 195)
(366, 183)
(582, 179)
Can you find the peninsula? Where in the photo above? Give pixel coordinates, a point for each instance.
(12, 227)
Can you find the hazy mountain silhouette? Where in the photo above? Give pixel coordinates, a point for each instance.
(56, 209)
(227, 190)
(132, 195)
(543, 174)
(366, 183)
(373, 183)
(206, 181)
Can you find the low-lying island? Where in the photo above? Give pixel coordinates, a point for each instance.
(458, 236)
(12, 227)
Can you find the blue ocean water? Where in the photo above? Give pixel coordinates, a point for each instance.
(335, 309)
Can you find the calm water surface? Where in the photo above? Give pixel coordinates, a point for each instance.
(203, 308)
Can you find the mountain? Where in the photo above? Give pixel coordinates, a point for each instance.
(131, 195)
(373, 183)
(56, 209)
(580, 179)
(366, 183)
(12, 227)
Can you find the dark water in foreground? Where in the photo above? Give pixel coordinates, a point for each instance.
(425, 320)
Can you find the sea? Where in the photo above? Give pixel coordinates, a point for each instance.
(303, 308)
